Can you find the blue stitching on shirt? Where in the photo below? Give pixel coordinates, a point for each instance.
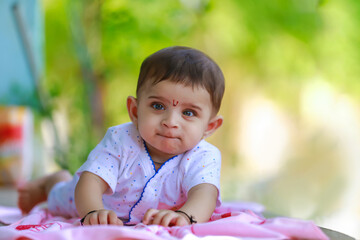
(147, 152)
(156, 172)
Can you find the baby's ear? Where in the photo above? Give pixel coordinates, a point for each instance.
(213, 125)
(131, 104)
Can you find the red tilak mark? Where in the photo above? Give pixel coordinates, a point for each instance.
(175, 103)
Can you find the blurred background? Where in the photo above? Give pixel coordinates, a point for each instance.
(291, 136)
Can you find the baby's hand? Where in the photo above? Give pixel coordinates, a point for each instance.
(166, 218)
(102, 217)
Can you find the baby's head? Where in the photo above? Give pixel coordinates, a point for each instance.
(179, 94)
(184, 65)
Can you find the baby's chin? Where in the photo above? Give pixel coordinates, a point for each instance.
(170, 148)
(174, 151)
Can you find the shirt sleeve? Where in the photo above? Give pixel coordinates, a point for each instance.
(104, 160)
(204, 166)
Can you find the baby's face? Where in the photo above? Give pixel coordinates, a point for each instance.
(172, 117)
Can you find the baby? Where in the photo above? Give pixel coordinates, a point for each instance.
(157, 169)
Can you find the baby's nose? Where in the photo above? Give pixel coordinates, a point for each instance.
(170, 120)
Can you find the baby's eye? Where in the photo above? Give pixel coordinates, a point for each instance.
(158, 106)
(189, 113)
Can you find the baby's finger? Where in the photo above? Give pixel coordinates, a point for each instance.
(181, 221)
(157, 219)
(92, 219)
(168, 218)
(103, 217)
(119, 222)
(113, 219)
(149, 215)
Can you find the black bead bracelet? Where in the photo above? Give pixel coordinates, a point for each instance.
(191, 218)
(83, 219)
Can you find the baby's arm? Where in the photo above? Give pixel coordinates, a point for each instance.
(88, 197)
(200, 204)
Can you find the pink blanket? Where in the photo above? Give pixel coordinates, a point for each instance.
(233, 220)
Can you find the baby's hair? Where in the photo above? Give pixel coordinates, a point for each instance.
(184, 65)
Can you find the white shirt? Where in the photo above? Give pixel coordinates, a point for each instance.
(122, 161)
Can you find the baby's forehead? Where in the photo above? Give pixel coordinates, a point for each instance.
(157, 86)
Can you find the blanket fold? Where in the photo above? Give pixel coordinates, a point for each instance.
(230, 221)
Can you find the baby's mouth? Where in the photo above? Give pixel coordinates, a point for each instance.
(167, 136)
